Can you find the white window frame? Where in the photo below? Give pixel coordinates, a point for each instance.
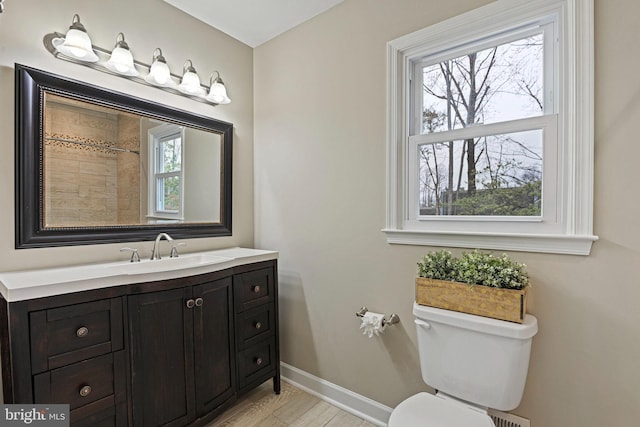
(567, 228)
(156, 135)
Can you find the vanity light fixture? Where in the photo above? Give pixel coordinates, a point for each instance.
(159, 73)
(121, 60)
(190, 83)
(76, 43)
(75, 46)
(218, 91)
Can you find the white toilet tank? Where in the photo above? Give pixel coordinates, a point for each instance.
(481, 360)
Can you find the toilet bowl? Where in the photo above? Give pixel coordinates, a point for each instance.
(428, 410)
(474, 362)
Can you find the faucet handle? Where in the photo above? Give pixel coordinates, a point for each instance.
(135, 257)
(174, 250)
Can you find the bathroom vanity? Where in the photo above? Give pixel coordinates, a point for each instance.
(164, 342)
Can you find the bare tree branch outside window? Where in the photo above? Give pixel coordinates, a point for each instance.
(488, 175)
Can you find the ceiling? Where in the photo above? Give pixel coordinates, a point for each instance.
(253, 22)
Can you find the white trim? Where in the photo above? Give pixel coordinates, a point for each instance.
(480, 130)
(155, 135)
(572, 231)
(512, 34)
(356, 404)
(544, 243)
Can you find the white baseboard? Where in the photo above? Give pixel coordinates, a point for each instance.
(356, 404)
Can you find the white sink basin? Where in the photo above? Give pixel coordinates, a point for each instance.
(40, 283)
(167, 264)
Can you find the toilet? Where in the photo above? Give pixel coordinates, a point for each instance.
(473, 362)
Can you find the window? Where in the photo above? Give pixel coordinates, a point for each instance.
(490, 138)
(495, 94)
(166, 160)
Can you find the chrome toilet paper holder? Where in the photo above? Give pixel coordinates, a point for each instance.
(393, 319)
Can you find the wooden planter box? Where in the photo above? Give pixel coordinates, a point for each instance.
(503, 304)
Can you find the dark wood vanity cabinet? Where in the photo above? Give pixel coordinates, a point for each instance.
(181, 348)
(77, 357)
(170, 353)
(257, 339)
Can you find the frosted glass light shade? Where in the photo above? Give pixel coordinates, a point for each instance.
(76, 43)
(159, 73)
(218, 93)
(121, 60)
(190, 83)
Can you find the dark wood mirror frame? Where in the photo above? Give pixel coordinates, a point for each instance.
(31, 85)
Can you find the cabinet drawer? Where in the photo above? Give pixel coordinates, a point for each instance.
(255, 325)
(257, 363)
(65, 335)
(253, 288)
(94, 383)
(93, 415)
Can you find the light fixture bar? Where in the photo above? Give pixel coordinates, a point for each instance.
(105, 54)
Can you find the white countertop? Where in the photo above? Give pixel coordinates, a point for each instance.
(38, 283)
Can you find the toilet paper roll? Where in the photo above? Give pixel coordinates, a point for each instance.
(372, 324)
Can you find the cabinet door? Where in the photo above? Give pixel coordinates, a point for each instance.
(161, 336)
(213, 340)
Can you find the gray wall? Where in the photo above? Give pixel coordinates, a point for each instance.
(202, 176)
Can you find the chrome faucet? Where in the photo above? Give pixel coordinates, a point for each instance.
(155, 252)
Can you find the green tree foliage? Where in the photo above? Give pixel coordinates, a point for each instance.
(512, 201)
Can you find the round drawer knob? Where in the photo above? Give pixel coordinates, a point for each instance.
(85, 391)
(256, 289)
(190, 303)
(258, 361)
(199, 302)
(258, 325)
(82, 332)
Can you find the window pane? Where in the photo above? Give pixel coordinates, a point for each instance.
(492, 85)
(499, 175)
(171, 158)
(169, 194)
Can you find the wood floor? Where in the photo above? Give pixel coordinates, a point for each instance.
(292, 407)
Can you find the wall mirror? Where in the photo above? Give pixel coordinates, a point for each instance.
(95, 166)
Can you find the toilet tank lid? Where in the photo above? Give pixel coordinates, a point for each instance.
(525, 330)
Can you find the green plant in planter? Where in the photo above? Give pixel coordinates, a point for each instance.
(474, 268)
(437, 265)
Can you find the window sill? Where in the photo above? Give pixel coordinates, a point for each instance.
(544, 243)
